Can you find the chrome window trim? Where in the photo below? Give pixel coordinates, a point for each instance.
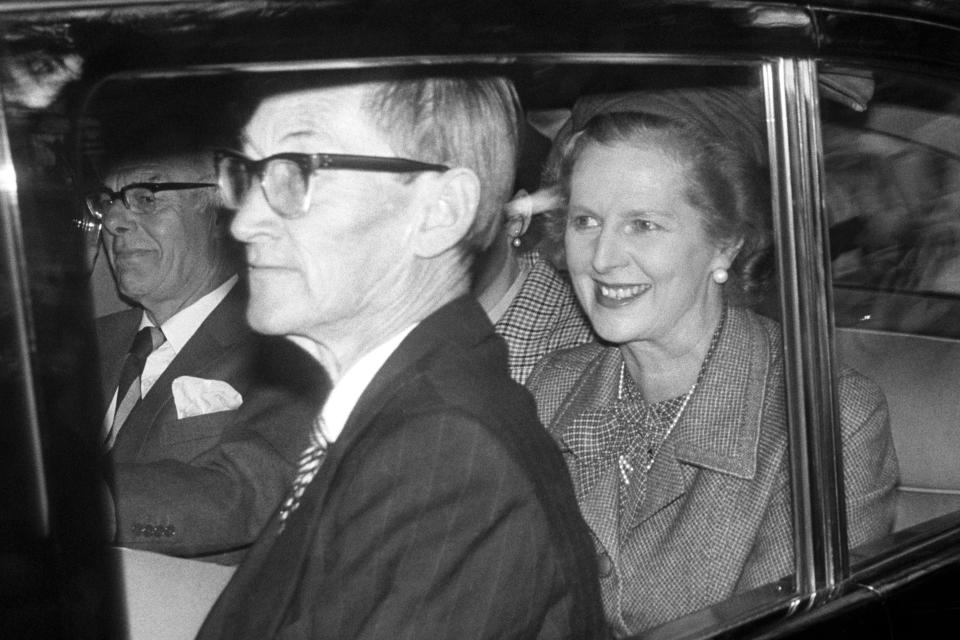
(806, 323)
(37, 6)
(441, 60)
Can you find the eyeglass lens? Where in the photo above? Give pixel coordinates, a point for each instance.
(283, 182)
(234, 180)
(285, 179)
(285, 187)
(138, 199)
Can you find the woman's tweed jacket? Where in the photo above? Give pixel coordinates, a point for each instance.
(716, 516)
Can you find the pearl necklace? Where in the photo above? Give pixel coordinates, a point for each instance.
(623, 461)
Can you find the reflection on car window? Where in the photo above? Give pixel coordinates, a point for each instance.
(736, 511)
(16, 473)
(892, 176)
(664, 578)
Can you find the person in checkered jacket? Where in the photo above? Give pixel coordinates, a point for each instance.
(527, 298)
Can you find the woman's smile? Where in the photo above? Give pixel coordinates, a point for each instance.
(618, 295)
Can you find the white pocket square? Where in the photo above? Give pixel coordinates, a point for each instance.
(199, 396)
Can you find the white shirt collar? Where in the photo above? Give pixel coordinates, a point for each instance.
(178, 330)
(347, 391)
(180, 327)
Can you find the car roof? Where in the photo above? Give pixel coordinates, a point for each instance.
(183, 32)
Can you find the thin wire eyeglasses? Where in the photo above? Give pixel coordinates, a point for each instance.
(139, 197)
(285, 177)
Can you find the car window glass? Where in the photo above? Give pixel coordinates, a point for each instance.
(18, 472)
(755, 551)
(892, 176)
(890, 193)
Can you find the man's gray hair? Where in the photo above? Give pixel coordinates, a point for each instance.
(470, 122)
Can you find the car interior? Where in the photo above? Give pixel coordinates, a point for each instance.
(893, 170)
(890, 161)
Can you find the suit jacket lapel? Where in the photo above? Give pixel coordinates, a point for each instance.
(288, 556)
(115, 335)
(459, 325)
(304, 522)
(275, 563)
(223, 327)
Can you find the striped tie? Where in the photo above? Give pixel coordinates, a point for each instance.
(310, 461)
(128, 391)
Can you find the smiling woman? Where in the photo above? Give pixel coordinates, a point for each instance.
(717, 444)
(675, 433)
(641, 240)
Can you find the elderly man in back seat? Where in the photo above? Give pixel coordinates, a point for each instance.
(431, 503)
(205, 418)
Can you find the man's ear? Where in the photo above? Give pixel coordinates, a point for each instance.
(449, 212)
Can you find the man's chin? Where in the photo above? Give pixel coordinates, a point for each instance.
(266, 319)
(133, 288)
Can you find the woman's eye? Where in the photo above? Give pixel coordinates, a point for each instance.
(583, 222)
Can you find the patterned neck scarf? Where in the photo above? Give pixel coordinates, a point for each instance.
(643, 428)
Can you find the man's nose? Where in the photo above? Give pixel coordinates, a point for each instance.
(252, 217)
(117, 218)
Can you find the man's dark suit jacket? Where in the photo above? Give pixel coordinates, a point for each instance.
(206, 484)
(442, 511)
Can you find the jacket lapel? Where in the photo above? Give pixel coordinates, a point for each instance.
(222, 328)
(589, 440)
(720, 428)
(456, 327)
(115, 335)
(291, 555)
(667, 481)
(275, 561)
(261, 591)
(599, 508)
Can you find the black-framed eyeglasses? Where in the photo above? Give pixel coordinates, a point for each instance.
(285, 177)
(139, 197)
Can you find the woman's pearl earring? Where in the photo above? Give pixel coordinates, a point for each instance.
(515, 242)
(720, 275)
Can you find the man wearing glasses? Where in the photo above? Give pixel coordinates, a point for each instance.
(203, 424)
(429, 503)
